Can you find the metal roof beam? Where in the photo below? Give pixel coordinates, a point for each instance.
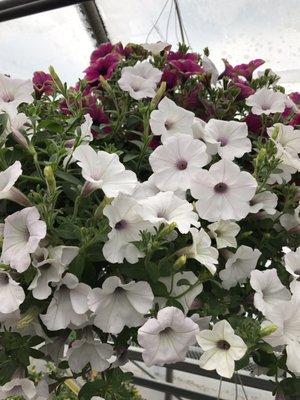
(11, 9)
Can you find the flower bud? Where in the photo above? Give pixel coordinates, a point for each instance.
(180, 262)
(58, 83)
(99, 210)
(268, 330)
(50, 179)
(167, 229)
(71, 384)
(27, 318)
(159, 94)
(106, 86)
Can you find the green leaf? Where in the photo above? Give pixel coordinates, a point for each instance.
(36, 354)
(3, 122)
(153, 271)
(129, 157)
(66, 176)
(290, 386)
(183, 282)
(159, 289)
(77, 266)
(67, 230)
(90, 389)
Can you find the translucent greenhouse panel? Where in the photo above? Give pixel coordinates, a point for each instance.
(57, 38)
(239, 30)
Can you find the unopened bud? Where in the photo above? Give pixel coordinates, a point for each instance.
(106, 86)
(268, 330)
(180, 262)
(168, 229)
(58, 83)
(50, 179)
(261, 155)
(72, 385)
(275, 133)
(99, 210)
(27, 318)
(159, 94)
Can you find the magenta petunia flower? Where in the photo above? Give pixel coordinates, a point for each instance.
(170, 77)
(104, 66)
(187, 67)
(245, 89)
(105, 49)
(254, 122)
(178, 55)
(42, 83)
(245, 70)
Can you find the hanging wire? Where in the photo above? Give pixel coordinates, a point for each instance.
(158, 18)
(168, 22)
(179, 20)
(176, 31)
(240, 379)
(220, 388)
(187, 38)
(236, 388)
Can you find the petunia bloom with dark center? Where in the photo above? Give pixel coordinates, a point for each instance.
(221, 188)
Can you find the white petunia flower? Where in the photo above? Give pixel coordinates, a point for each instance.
(23, 231)
(148, 188)
(293, 358)
(198, 128)
(292, 263)
(143, 70)
(282, 174)
(50, 264)
(210, 68)
(202, 250)
(8, 178)
(124, 214)
(86, 351)
(269, 291)
(285, 136)
(137, 87)
(184, 296)
(222, 347)
(42, 390)
(117, 305)
(68, 305)
(176, 161)
(266, 201)
(287, 142)
(291, 222)
(239, 266)
(165, 208)
(266, 101)
(166, 338)
(18, 387)
(15, 91)
(103, 170)
(116, 251)
(11, 294)
(86, 137)
(170, 120)
(140, 80)
(228, 138)
(224, 232)
(286, 316)
(155, 48)
(145, 189)
(223, 192)
(15, 122)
